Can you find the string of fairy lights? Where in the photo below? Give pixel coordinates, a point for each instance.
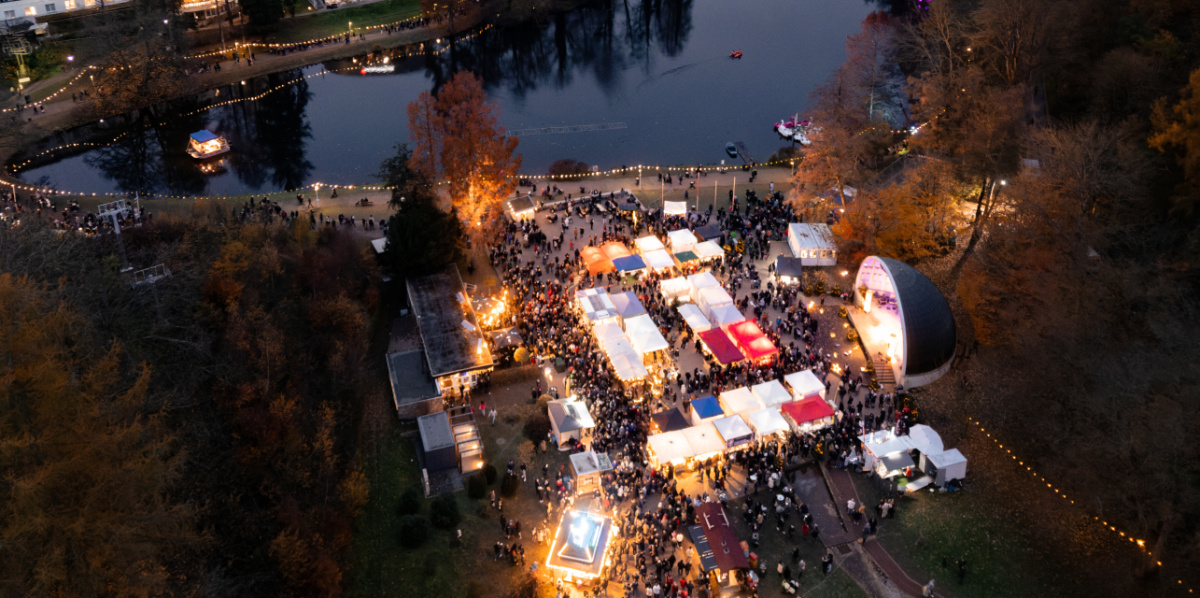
(1140, 543)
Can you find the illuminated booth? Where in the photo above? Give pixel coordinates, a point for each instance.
(675, 288)
(669, 448)
(595, 260)
(674, 208)
(809, 414)
(705, 409)
(724, 315)
(681, 240)
(740, 400)
(753, 342)
(812, 243)
(694, 317)
(804, 383)
(717, 343)
(589, 468)
(904, 322)
(771, 393)
(648, 243)
(767, 422)
(700, 281)
(580, 547)
(705, 441)
(708, 250)
(659, 259)
(521, 208)
(734, 430)
(570, 421)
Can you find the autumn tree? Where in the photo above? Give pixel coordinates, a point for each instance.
(1177, 131)
(457, 138)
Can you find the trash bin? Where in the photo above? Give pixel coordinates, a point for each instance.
(560, 365)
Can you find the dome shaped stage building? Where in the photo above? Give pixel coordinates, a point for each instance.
(905, 322)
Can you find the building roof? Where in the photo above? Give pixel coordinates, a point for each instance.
(788, 266)
(930, 337)
(435, 431)
(569, 415)
(202, 136)
(410, 379)
(707, 407)
(590, 462)
(449, 329)
(722, 540)
(669, 420)
(708, 232)
(812, 235)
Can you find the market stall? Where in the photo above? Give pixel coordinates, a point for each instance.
(804, 383)
(629, 263)
(708, 232)
(808, 414)
(625, 360)
(724, 315)
(668, 421)
(694, 317)
(675, 288)
(706, 443)
(681, 240)
(753, 342)
(700, 281)
(733, 430)
(521, 208)
(944, 467)
(674, 208)
(740, 400)
(595, 260)
(615, 250)
(628, 305)
(669, 447)
(766, 422)
(812, 243)
(717, 344)
(708, 250)
(580, 546)
(596, 305)
(570, 422)
(659, 259)
(722, 556)
(644, 335)
(606, 330)
(705, 409)
(686, 257)
(772, 393)
(788, 270)
(589, 469)
(710, 297)
(648, 243)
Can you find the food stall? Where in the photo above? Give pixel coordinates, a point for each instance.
(669, 448)
(809, 414)
(629, 263)
(681, 240)
(766, 422)
(708, 250)
(595, 260)
(645, 336)
(753, 342)
(570, 422)
(694, 317)
(589, 470)
(733, 430)
(659, 259)
(804, 383)
(710, 297)
(668, 420)
(700, 281)
(648, 243)
(705, 441)
(771, 393)
(615, 250)
(675, 288)
(627, 305)
(705, 409)
(717, 344)
(521, 208)
(724, 315)
(740, 400)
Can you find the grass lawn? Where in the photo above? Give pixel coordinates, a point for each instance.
(1002, 560)
(326, 23)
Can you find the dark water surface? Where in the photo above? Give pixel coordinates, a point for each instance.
(660, 67)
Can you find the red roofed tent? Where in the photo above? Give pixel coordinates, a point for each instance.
(720, 346)
(722, 540)
(752, 341)
(809, 410)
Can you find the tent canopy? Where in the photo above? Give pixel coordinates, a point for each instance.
(740, 400)
(708, 232)
(595, 260)
(701, 280)
(644, 335)
(945, 459)
(674, 288)
(708, 250)
(596, 304)
(751, 340)
(767, 421)
(771, 393)
(788, 267)
(694, 317)
(606, 330)
(724, 315)
(711, 297)
(807, 410)
(628, 366)
(570, 414)
(674, 208)
(734, 430)
(615, 250)
(721, 347)
(681, 240)
(704, 439)
(804, 383)
(686, 256)
(896, 461)
(648, 243)
(669, 420)
(380, 244)
(884, 442)
(669, 446)
(706, 408)
(629, 263)
(203, 136)
(659, 259)
(628, 305)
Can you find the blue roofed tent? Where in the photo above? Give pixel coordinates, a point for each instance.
(629, 263)
(203, 136)
(705, 409)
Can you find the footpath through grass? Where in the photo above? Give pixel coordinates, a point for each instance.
(305, 27)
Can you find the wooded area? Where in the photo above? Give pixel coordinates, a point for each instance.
(1068, 129)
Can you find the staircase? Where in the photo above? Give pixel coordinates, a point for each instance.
(883, 370)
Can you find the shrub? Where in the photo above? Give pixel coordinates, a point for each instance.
(410, 501)
(443, 512)
(843, 312)
(413, 530)
(537, 426)
(489, 474)
(852, 336)
(508, 487)
(477, 486)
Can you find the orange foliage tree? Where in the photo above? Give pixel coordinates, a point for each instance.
(456, 136)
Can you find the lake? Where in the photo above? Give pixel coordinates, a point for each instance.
(656, 75)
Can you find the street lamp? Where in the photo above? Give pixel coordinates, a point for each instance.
(350, 27)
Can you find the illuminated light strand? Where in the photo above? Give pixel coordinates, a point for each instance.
(1141, 544)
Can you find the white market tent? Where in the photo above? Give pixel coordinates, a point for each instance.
(596, 304)
(711, 297)
(804, 383)
(694, 317)
(767, 421)
(704, 440)
(682, 240)
(925, 439)
(701, 280)
(606, 330)
(725, 315)
(648, 243)
(708, 250)
(812, 243)
(670, 447)
(628, 366)
(644, 335)
(734, 430)
(771, 393)
(947, 466)
(674, 208)
(674, 288)
(659, 259)
(883, 443)
(740, 400)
